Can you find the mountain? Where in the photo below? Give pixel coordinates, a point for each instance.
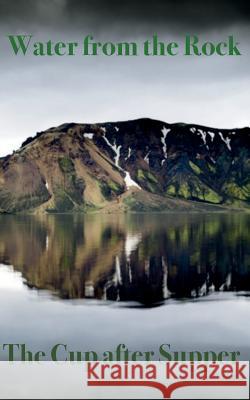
(140, 165)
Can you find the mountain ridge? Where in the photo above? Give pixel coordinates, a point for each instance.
(136, 165)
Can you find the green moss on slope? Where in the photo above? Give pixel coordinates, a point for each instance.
(12, 204)
(110, 189)
(148, 180)
(234, 191)
(193, 190)
(66, 165)
(195, 168)
(73, 187)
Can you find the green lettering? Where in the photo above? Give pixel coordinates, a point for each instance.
(165, 354)
(20, 43)
(233, 49)
(191, 44)
(55, 350)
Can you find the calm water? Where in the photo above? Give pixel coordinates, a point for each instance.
(95, 281)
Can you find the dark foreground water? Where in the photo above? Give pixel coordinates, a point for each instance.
(92, 282)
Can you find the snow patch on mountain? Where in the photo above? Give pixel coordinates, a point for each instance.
(129, 154)
(146, 158)
(226, 140)
(212, 135)
(88, 135)
(203, 135)
(164, 131)
(129, 181)
(116, 149)
(117, 157)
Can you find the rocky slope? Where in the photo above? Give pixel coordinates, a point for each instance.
(141, 165)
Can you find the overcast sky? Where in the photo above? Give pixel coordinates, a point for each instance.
(37, 93)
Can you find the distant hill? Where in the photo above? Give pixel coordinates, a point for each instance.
(140, 165)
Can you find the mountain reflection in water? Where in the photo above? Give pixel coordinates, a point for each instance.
(139, 257)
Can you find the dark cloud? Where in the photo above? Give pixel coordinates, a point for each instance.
(195, 13)
(131, 14)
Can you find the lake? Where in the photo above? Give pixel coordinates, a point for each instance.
(95, 281)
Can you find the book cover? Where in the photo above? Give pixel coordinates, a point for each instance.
(124, 199)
